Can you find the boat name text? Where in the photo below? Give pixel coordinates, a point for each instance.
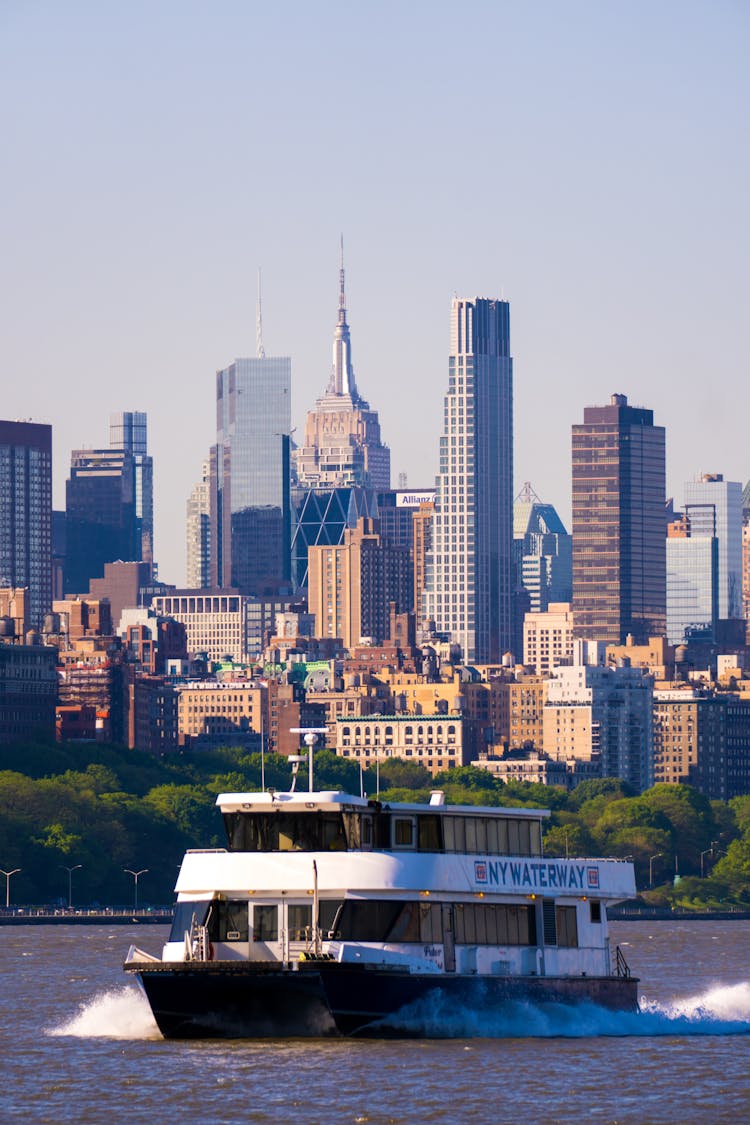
(515, 873)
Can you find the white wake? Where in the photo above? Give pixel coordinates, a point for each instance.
(119, 1013)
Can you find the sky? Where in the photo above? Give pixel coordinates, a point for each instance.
(587, 161)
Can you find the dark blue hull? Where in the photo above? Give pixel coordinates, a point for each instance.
(234, 999)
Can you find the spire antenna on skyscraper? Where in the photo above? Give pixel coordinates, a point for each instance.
(261, 351)
(342, 287)
(342, 375)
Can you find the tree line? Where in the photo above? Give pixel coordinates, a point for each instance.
(108, 810)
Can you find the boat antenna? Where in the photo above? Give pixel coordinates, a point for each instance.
(310, 738)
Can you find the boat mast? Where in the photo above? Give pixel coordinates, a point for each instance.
(311, 737)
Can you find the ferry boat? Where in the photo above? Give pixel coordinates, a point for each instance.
(332, 914)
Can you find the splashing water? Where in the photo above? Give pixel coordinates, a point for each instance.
(124, 1013)
(723, 1010)
(120, 1013)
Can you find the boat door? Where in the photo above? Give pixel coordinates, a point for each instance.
(449, 941)
(265, 931)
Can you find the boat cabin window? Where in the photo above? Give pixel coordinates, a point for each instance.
(404, 831)
(299, 922)
(489, 835)
(382, 829)
(265, 923)
(429, 834)
(285, 832)
(227, 920)
(375, 920)
(595, 910)
(422, 922)
(567, 927)
(186, 916)
(366, 835)
(494, 924)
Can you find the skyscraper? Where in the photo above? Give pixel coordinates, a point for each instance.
(471, 573)
(26, 513)
(619, 553)
(543, 551)
(250, 476)
(128, 430)
(100, 520)
(713, 508)
(198, 532)
(342, 445)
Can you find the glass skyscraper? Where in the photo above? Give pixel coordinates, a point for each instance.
(713, 507)
(129, 430)
(470, 578)
(250, 476)
(692, 588)
(619, 553)
(100, 520)
(26, 513)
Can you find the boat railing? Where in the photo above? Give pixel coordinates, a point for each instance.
(197, 942)
(622, 969)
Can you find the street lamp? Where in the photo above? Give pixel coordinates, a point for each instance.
(7, 875)
(135, 875)
(70, 871)
(702, 855)
(651, 868)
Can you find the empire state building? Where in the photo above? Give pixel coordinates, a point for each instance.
(342, 445)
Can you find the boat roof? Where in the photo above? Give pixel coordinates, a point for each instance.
(336, 801)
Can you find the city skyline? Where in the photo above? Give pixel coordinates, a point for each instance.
(606, 201)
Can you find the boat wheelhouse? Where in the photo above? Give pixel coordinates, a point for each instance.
(329, 913)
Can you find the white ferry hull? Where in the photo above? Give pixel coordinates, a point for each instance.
(253, 1000)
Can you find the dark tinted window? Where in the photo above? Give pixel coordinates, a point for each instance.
(228, 920)
(186, 915)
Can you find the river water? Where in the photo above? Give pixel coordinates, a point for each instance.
(79, 1044)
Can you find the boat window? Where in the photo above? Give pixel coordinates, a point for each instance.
(595, 910)
(265, 923)
(430, 922)
(403, 831)
(186, 915)
(514, 838)
(228, 920)
(406, 926)
(494, 924)
(366, 832)
(429, 833)
(285, 831)
(470, 827)
(299, 922)
(567, 927)
(329, 915)
(376, 920)
(370, 920)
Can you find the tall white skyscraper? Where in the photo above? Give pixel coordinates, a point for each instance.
(198, 531)
(470, 581)
(342, 445)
